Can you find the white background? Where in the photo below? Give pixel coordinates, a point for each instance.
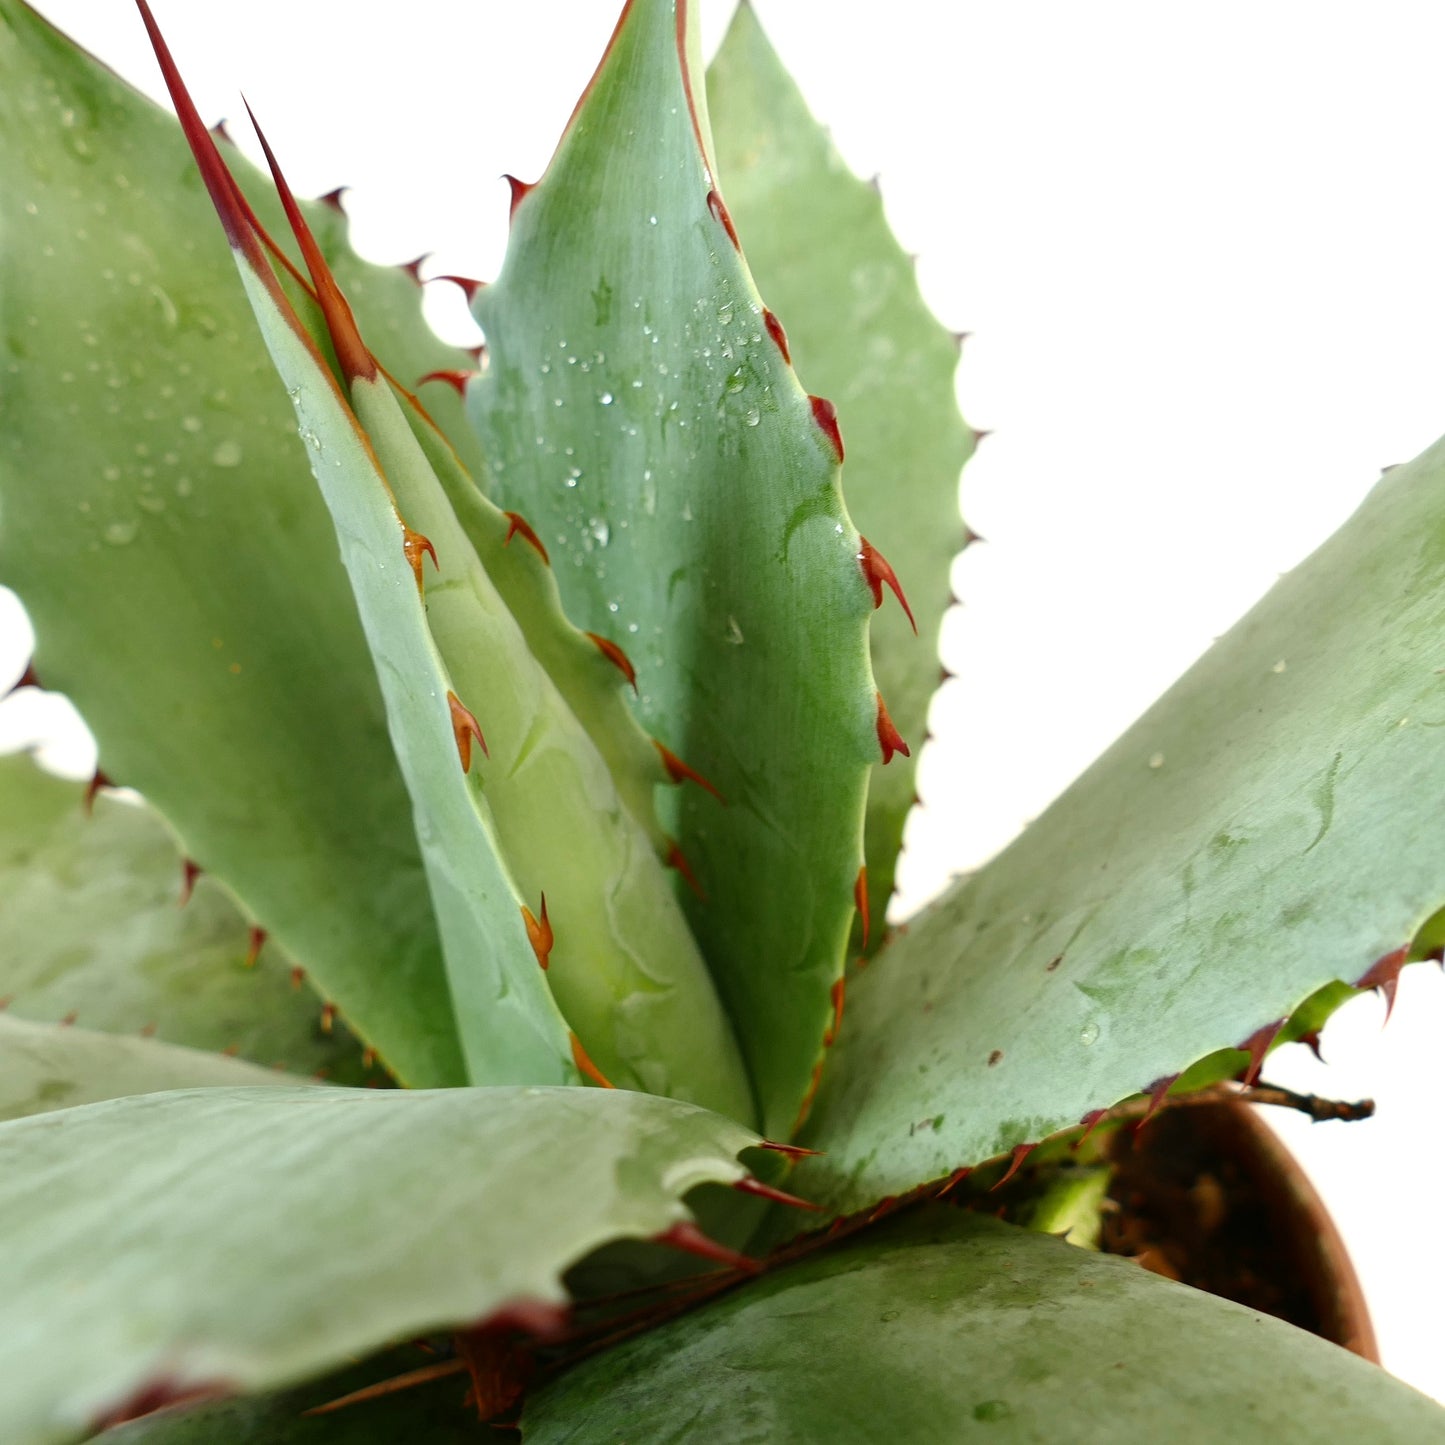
(1200, 252)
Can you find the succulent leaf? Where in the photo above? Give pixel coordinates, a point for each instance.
(1267, 829)
(946, 1326)
(640, 414)
(46, 1066)
(859, 332)
(157, 521)
(371, 1215)
(90, 930)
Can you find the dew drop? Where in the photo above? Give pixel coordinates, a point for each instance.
(1089, 1033)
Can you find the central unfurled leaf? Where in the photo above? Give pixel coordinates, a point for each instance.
(236, 1240)
(640, 409)
(1271, 825)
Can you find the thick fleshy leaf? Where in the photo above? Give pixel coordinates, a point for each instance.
(826, 262)
(1270, 825)
(640, 411)
(91, 930)
(245, 1239)
(945, 1327)
(45, 1066)
(157, 521)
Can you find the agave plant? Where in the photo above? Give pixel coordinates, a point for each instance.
(543, 752)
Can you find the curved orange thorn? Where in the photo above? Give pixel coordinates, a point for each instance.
(255, 942)
(878, 575)
(1157, 1092)
(520, 190)
(676, 859)
(190, 871)
(889, 738)
(720, 215)
(413, 268)
(368, 1058)
(1020, 1153)
(333, 199)
(954, 1179)
(417, 548)
(687, 1236)
(886, 1205)
(826, 415)
(615, 655)
(860, 900)
(585, 1066)
(147, 1031)
(99, 779)
(517, 525)
(836, 994)
(69, 1019)
(539, 933)
(1384, 974)
(1257, 1045)
(679, 771)
(457, 380)
(465, 727)
(749, 1185)
(298, 977)
(328, 1017)
(1090, 1121)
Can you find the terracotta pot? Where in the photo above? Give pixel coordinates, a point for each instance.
(1207, 1193)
